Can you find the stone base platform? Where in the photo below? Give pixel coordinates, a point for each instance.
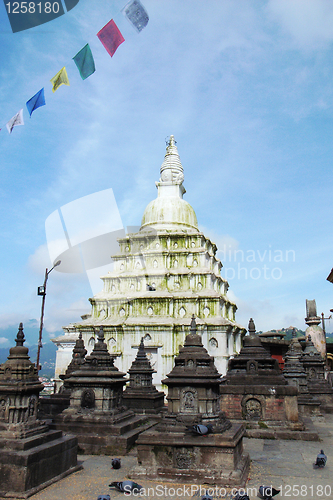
(175, 456)
(100, 433)
(30, 464)
(278, 430)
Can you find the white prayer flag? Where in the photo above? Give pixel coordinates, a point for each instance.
(16, 120)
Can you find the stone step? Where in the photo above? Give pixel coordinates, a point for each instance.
(31, 442)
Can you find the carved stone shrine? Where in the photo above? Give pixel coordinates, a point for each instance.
(255, 391)
(314, 366)
(169, 451)
(295, 375)
(141, 395)
(31, 455)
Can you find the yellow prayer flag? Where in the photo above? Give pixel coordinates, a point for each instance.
(59, 79)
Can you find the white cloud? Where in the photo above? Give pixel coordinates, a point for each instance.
(3, 340)
(39, 260)
(58, 317)
(308, 22)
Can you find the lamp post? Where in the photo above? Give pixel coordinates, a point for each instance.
(42, 291)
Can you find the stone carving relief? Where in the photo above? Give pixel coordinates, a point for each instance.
(252, 409)
(32, 406)
(213, 343)
(184, 458)
(88, 399)
(3, 409)
(189, 400)
(252, 367)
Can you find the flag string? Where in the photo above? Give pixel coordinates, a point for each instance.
(110, 37)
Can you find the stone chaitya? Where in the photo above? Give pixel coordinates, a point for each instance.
(295, 375)
(141, 395)
(31, 455)
(315, 371)
(96, 414)
(314, 330)
(169, 451)
(52, 404)
(163, 274)
(254, 390)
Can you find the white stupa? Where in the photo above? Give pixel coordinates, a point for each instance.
(162, 275)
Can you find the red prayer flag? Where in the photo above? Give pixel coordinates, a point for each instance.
(110, 37)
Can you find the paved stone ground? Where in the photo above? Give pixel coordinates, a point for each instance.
(286, 465)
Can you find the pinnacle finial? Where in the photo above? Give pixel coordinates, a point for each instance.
(172, 141)
(100, 335)
(251, 328)
(20, 336)
(193, 328)
(171, 168)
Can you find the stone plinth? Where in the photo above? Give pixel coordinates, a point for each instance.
(96, 414)
(255, 391)
(213, 459)
(169, 451)
(31, 455)
(141, 395)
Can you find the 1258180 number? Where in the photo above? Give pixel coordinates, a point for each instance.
(32, 8)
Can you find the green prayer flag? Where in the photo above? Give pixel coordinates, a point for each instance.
(85, 62)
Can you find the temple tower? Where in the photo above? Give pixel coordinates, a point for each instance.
(162, 274)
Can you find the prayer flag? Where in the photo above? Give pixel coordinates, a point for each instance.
(59, 79)
(85, 62)
(136, 14)
(36, 101)
(110, 37)
(16, 120)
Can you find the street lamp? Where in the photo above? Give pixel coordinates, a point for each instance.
(42, 291)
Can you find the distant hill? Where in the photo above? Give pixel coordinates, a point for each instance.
(47, 357)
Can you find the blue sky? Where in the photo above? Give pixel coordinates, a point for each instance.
(246, 89)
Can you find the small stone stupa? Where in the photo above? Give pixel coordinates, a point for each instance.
(31, 455)
(255, 390)
(315, 371)
(141, 395)
(169, 451)
(53, 404)
(295, 375)
(314, 330)
(96, 414)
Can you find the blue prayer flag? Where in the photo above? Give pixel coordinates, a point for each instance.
(36, 101)
(136, 14)
(85, 62)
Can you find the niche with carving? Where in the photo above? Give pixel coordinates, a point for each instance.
(88, 399)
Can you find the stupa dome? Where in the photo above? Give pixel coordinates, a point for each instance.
(169, 210)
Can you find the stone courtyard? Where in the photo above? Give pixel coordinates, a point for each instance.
(285, 463)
